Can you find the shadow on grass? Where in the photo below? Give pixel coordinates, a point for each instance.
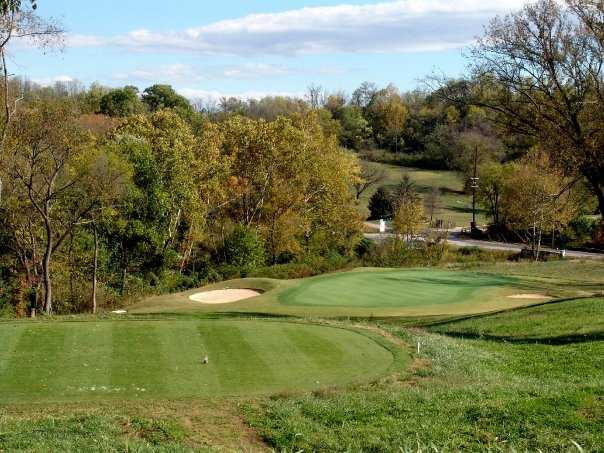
(554, 340)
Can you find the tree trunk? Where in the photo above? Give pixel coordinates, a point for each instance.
(124, 276)
(595, 181)
(600, 234)
(95, 268)
(46, 270)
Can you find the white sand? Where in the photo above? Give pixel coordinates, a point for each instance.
(224, 296)
(529, 296)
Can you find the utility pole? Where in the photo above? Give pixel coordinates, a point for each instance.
(474, 179)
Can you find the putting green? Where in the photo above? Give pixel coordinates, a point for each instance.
(63, 361)
(398, 289)
(364, 293)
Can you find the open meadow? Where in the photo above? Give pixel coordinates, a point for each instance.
(454, 205)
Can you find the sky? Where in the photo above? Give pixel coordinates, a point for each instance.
(251, 48)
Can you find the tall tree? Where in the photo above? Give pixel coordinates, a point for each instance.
(18, 21)
(121, 102)
(542, 71)
(44, 144)
(371, 174)
(159, 97)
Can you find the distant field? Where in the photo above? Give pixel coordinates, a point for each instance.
(455, 206)
(125, 360)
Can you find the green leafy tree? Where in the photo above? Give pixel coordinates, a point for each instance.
(164, 206)
(380, 204)
(355, 129)
(540, 71)
(45, 144)
(244, 249)
(159, 97)
(121, 102)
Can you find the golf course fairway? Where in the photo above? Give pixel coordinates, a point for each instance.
(140, 359)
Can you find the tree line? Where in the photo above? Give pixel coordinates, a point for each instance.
(108, 192)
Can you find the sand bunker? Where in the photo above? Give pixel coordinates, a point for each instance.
(224, 296)
(529, 296)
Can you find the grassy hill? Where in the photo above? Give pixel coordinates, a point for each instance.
(454, 204)
(524, 379)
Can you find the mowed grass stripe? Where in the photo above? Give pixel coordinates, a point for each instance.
(238, 365)
(9, 337)
(320, 351)
(90, 361)
(33, 367)
(184, 348)
(84, 369)
(137, 358)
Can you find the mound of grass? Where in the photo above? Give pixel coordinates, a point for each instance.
(364, 293)
(555, 322)
(124, 360)
(401, 288)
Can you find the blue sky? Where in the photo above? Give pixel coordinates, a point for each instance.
(251, 48)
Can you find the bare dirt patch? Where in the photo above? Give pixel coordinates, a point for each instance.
(529, 296)
(224, 296)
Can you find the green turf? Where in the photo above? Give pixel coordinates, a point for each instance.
(363, 293)
(556, 322)
(397, 289)
(454, 205)
(466, 395)
(79, 361)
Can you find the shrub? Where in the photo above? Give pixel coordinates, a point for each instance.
(380, 204)
(397, 253)
(243, 249)
(581, 230)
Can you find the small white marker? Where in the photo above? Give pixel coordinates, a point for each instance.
(418, 345)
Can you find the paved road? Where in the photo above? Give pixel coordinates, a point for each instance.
(456, 239)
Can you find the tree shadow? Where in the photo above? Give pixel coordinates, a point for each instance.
(554, 340)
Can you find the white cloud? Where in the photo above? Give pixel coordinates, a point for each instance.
(255, 70)
(168, 73)
(397, 26)
(48, 81)
(214, 96)
(181, 73)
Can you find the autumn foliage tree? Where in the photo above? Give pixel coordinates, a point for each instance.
(541, 71)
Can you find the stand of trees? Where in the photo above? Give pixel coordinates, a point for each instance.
(105, 193)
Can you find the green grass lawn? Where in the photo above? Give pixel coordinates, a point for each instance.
(420, 289)
(363, 293)
(454, 205)
(559, 322)
(79, 361)
(525, 379)
(465, 395)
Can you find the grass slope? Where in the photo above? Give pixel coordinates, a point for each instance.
(391, 289)
(79, 361)
(454, 205)
(465, 395)
(557, 322)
